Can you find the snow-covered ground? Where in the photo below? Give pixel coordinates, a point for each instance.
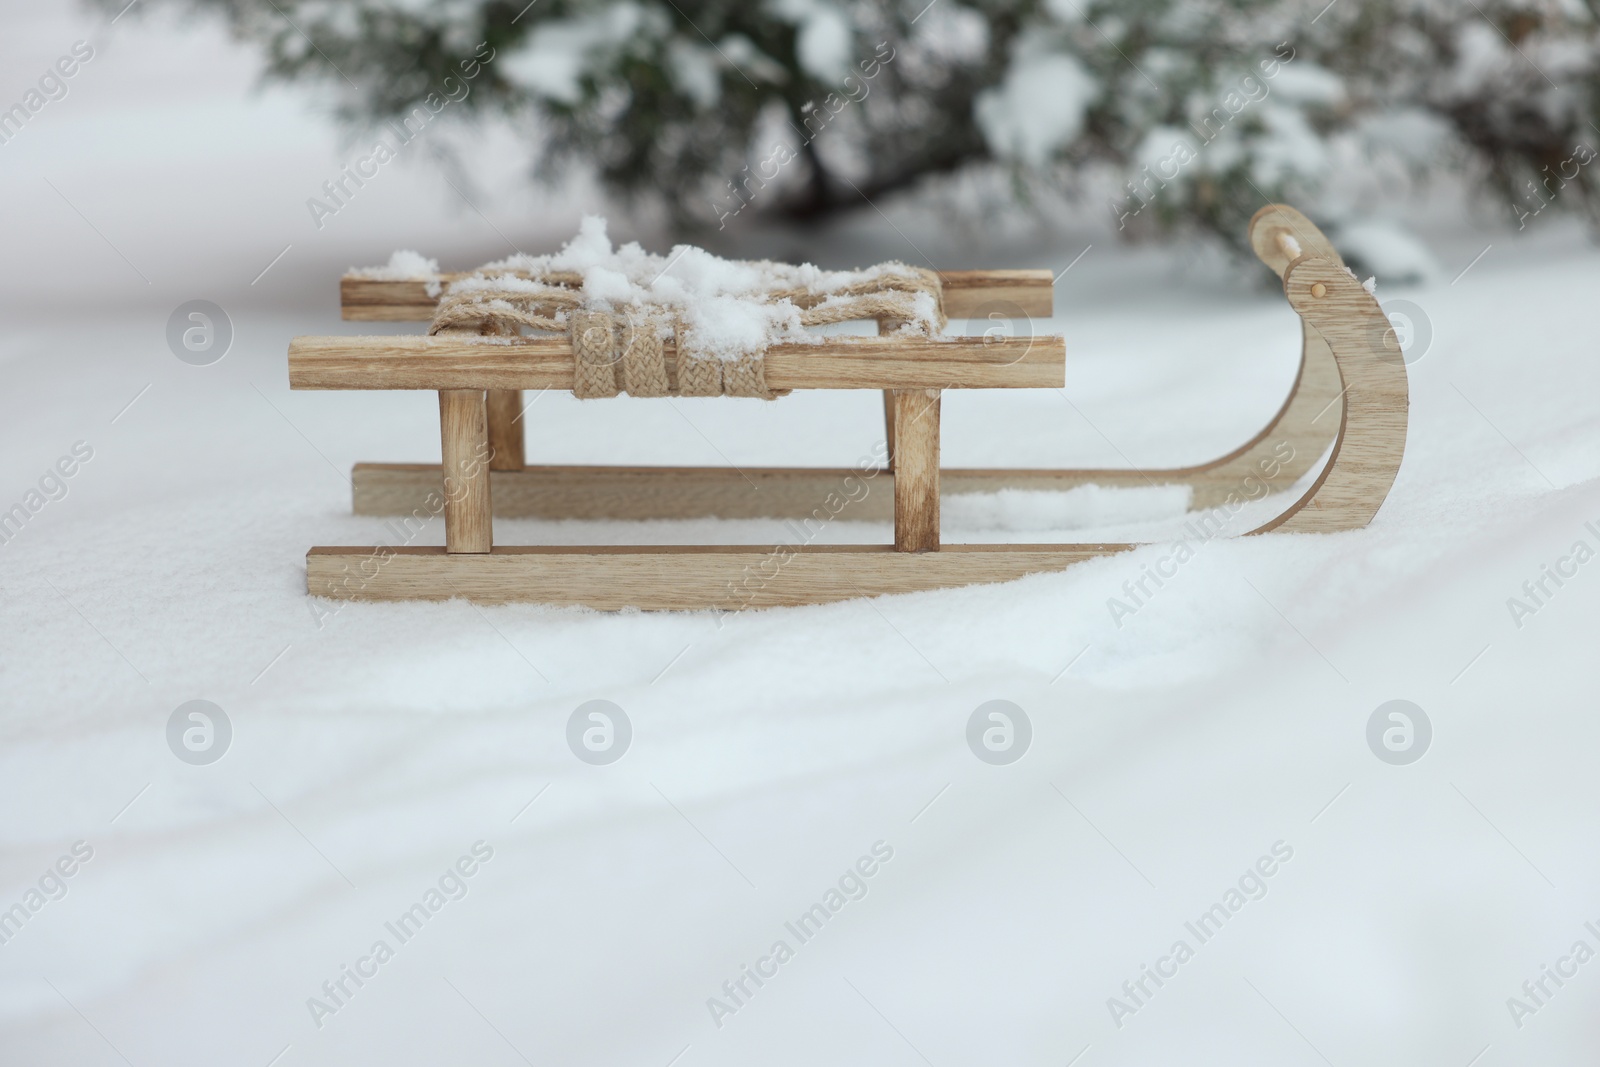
(1221, 727)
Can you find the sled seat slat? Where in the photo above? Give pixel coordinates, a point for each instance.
(967, 294)
(405, 362)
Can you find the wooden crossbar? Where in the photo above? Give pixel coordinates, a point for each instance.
(967, 294)
(641, 493)
(548, 363)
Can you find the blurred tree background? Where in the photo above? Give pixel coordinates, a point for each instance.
(1170, 114)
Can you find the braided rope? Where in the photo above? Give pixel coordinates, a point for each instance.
(626, 351)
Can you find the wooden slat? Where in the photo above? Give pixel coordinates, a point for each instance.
(975, 293)
(967, 294)
(583, 492)
(916, 470)
(464, 443)
(505, 429)
(640, 493)
(673, 578)
(547, 363)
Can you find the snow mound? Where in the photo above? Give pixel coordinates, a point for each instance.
(727, 307)
(403, 266)
(1386, 250)
(1083, 507)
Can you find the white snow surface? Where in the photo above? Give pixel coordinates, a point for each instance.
(770, 753)
(772, 750)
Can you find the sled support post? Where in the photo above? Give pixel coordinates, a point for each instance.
(887, 326)
(464, 447)
(888, 426)
(505, 430)
(916, 470)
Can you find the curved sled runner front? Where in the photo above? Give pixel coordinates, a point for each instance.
(1285, 449)
(1342, 325)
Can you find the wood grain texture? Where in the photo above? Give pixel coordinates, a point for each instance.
(838, 363)
(1272, 223)
(1008, 293)
(916, 471)
(580, 492)
(674, 578)
(1372, 434)
(967, 294)
(1308, 422)
(641, 493)
(464, 444)
(504, 407)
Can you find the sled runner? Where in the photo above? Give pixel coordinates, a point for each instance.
(1350, 394)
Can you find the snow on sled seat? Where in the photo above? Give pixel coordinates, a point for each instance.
(478, 365)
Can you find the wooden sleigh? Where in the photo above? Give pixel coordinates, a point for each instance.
(1350, 393)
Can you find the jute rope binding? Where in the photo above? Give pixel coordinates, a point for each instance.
(624, 349)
